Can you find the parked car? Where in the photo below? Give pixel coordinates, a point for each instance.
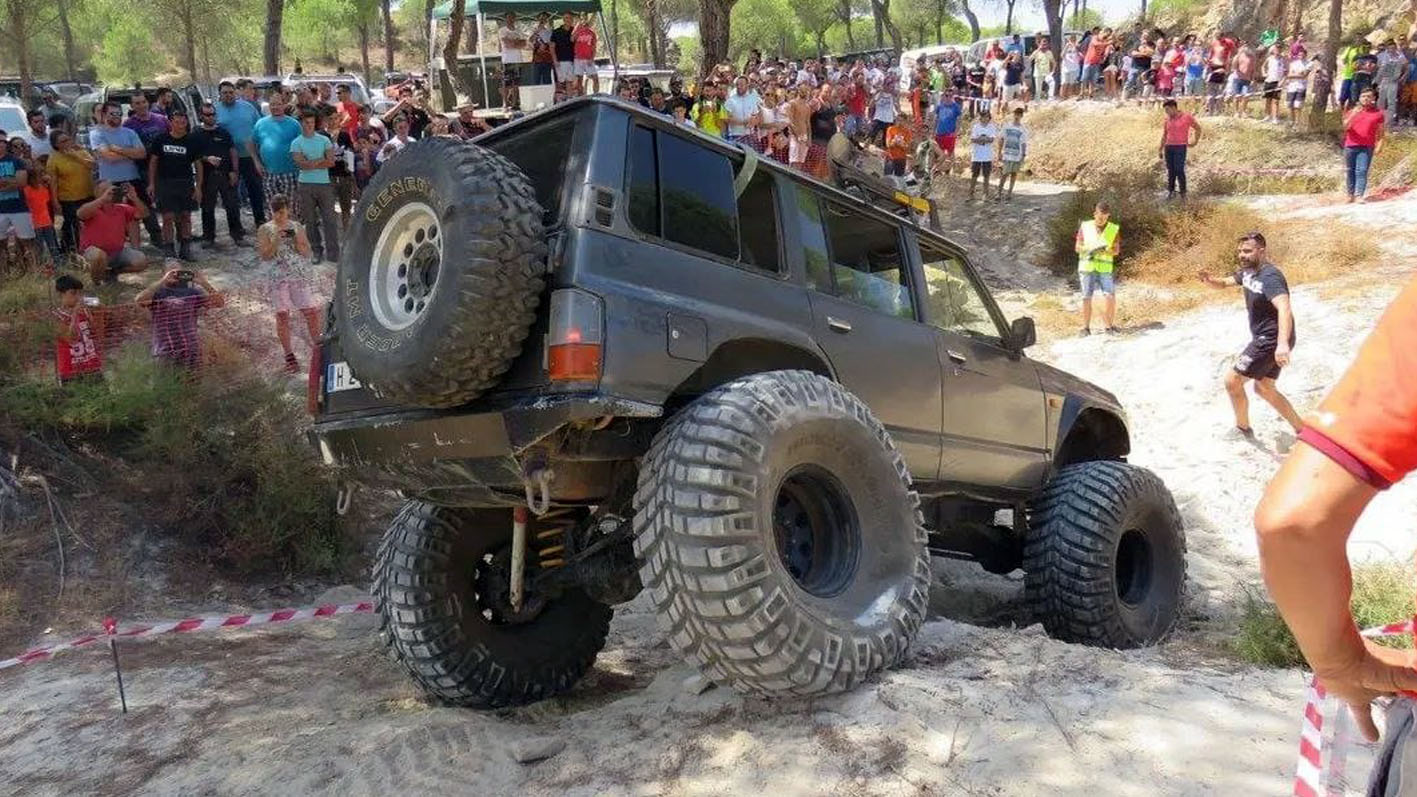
(357, 90)
(12, 116)
(597, 353)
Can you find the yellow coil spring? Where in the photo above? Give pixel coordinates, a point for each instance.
(550, 538)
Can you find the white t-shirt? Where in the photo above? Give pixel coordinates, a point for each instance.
(1273, 69)
(1015, 141)
(885, 106)
(742, 106)
(982, 152)
(512, 42)
(39, 145)
(1298, 75)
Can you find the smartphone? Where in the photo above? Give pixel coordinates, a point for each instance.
(184, 275)
(91, 301)
(288, 233)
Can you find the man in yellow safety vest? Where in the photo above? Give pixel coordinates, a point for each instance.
(1097, 244)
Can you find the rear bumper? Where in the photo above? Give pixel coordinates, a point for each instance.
(493, 429)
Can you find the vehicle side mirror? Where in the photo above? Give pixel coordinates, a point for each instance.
(1022, 333)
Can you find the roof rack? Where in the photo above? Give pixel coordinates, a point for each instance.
(886, 196)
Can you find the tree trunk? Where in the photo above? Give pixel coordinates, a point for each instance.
(1053, 10)
(713, 32)
(363, 30)
(68, 35)
(189, 37)
(940, 12)
(972, 18)
(821, 43)
(275, 12)
(1009, 16)
(388, 36)
(427, 22)
(882, 9)
(207, 58)
(456, 17)
(845, 13)
(656, 33)
(880, 29)
(1143, 10)
(1324, 87)
(1298, 17)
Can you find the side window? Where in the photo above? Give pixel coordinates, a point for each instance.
(684, 192)
(866, 262)
(814, 240)
(757, 222)
(955, 302)
(642, 182)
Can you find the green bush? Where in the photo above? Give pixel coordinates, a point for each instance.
(219, 455)
(1134, 208)
(1382, 593)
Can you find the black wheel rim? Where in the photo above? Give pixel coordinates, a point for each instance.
(816, 531)
(1133, 572)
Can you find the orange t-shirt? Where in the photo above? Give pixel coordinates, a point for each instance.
(1368, 424)
(897, 142)
(38, 200)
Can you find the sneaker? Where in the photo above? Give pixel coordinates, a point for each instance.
(1113, 331)
(184, 251)
(208, 243)
(1085, 332)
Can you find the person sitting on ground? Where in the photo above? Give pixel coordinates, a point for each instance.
(1361, 440)
(285, 251)
(109, 236)
(77, 332)
(176, 301)
(1272, 334)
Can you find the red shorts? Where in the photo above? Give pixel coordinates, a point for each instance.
(946, 142)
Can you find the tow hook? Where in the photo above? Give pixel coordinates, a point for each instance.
(536, 480)
(343, 498)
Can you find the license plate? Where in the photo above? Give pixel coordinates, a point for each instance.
(338, 377)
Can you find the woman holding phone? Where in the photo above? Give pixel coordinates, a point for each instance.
(285, 252)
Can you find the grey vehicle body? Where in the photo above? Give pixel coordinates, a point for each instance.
(981, 426)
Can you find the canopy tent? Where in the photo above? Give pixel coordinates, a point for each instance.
(522, 8)
(480, 10)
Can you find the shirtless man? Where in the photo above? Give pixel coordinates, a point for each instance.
(799, 127)
(1242, 79)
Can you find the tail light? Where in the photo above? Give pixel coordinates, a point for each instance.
(575, 341)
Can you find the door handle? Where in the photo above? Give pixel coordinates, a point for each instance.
(956, 357)
(838, 325)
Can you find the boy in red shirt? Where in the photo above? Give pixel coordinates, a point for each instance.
(76, 350)
(583, 40)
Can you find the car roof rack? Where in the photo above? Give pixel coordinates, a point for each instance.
(886, 195)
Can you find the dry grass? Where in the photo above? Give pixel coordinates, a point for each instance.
(1158, 272)
(1090, 144)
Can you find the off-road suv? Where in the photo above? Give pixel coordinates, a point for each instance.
(598, 352)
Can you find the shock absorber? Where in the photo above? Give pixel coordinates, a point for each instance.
(553, 531)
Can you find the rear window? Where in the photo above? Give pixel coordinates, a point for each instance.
(541, 151)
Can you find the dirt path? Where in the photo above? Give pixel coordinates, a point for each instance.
(316, 709)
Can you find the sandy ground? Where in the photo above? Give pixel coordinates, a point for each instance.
(979, 709)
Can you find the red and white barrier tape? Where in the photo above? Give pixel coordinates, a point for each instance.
(189, 625)
(1312, 778)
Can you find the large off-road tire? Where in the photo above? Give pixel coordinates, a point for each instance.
(779, 537)
(441, 273)
(1105, 557)
(429, 578)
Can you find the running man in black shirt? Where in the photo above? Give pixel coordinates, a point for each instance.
(219, 168)
(170, 159)
(1271, 332)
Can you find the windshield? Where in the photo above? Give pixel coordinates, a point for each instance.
(12, 119)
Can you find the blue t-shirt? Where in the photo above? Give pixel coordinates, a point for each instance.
(273, 135)
(123, 137)
(239, 119)
(314, 148)
(947, 118)
(12, 201)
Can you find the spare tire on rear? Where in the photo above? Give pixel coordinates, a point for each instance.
(441, 273)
